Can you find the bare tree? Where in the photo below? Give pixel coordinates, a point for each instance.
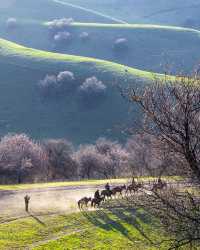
(88, 160)
(172, 114)
(104, 159)
(115, 157)
(178, 212)
(21, 159)
(171, 110)
(60, 162)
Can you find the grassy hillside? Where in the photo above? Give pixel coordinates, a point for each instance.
(44, 10)
(143, 11)
(140, 11)
(23, 110)
(12, 53)
(150, 47)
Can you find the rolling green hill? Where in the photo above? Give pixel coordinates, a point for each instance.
(23, 110)
(21, 56)
(150, 47)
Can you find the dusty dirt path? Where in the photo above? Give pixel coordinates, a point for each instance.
(43, 201)
(50, 200)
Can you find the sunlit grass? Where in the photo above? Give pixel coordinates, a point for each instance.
(102, 229)
(83, 183)
(12, 51)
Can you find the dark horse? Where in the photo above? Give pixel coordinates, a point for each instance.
(97, 201)
(133, 187)
(159, 186)
(118, 189)
(83, 202)
(106, 193)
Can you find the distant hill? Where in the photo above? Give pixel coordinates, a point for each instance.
(171, 12)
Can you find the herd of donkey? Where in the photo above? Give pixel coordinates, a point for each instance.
(109, 193)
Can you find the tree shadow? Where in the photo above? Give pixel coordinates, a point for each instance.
(37, 219)
(134, 218)
(103, 220)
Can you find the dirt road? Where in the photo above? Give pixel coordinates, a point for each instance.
(48, 200)
(43, 201)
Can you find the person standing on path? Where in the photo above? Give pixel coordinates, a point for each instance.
(27, 200)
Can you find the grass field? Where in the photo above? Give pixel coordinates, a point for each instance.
(103, 229)
(82, 183)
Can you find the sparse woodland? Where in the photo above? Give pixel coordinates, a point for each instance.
(171, 111)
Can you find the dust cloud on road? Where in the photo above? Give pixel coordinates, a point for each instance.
(43, 201)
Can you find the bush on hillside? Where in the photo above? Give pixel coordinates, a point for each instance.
(11, 23)
(57, 25)
(54, 85)
(84, 36)
(92, 91)
(62, 37)
(120, 44)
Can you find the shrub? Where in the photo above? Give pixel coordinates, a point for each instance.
(62, 36)
(92, 91)
(65, 76)
(54, 85)
(57, 25)
(121, 44)
(48, 86)
(84, 36)
(11, 23)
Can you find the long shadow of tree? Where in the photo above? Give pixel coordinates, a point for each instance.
(105, 220)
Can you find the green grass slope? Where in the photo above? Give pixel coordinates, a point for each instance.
(150, 47)
(23, 110)
(143, 11)
(18, 55)
(44, 10)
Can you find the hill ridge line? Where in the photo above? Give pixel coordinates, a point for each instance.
(90, 11)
